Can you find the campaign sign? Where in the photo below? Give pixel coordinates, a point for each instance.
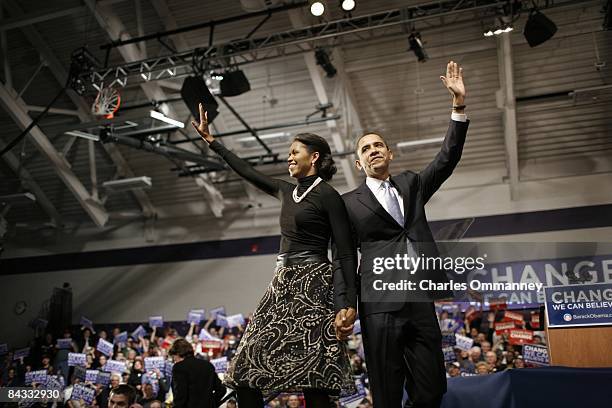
(463, 342)
(579, 305)
(504, 327)
(448, 339)
(535, 354)
(139, 332)
(3, 349)
(222, 321)
(91, 375)
(217, 311)
(152, 363)
(105, 347)
(358, 396)
(115, 366)
(156, 321)
(54, 382)
(205, 335)
(21, 353)
(235, 320)
(64, 344)
(103, 378)
(85, 322)
(77, 359)
(29, 377)
(195, 316)
(39, 376)
(121, 338)
(520, 336)
(509, 315)
(81, 392)
(449, 354)
(148, 379)
(168, 370)
(220, 364)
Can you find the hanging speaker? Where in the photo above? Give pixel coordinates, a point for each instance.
(194, 91)
(538, 28)
(234, 83)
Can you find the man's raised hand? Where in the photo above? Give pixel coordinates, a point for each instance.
(453, 81)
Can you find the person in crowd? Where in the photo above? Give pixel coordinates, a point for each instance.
(519, 362)
(454, 369)
(293, 401)
(482, 368)
(298, 306)
(195, 383)
(122, 396)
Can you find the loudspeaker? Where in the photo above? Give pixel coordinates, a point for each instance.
(194, 91)
(538, 28)
(234, 83)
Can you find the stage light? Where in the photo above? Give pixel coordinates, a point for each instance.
(348, 5)
(324, 61)
(116, 186)
(538, 28)
(160, 116)
(317, 8)
(488, 33)
(416, 45)
(234, 83)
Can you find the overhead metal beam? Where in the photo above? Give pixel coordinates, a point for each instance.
(30, 184)
(316, 76)
(38, 17)
(82, 108)
(115, 29)
(507, 103)
(16, 108)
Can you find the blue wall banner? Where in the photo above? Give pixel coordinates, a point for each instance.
(579, 305)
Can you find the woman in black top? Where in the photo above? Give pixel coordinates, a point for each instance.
(290, 345)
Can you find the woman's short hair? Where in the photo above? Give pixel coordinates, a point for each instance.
(314, 143)
(181, 348)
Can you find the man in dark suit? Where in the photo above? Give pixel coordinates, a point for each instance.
(402, 338)
(195, 383)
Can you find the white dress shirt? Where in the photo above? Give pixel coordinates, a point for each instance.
(376, 185)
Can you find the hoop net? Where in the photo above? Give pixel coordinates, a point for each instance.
(107, 102)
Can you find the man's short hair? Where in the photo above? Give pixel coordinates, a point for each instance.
(364, 135)
(181, 348)
(127, 390)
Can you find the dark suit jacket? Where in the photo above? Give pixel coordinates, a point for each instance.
(195, 384)
(372, 224)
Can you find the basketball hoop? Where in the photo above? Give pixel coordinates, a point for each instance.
(107, 102)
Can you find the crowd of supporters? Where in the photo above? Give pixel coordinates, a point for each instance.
(472, 344)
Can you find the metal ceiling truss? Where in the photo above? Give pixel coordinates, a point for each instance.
(281, 44)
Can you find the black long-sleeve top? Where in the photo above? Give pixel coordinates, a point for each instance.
(309, 224)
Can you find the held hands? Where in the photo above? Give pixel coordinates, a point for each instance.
(344, 323)
(202, 127)
(453, 81)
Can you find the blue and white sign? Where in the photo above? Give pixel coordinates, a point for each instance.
(168, 370)
(139, 332)
(195, 316)
(356, 397)
(221, 321)
(205, 335)
(156, 321)
(77, 359)
(64, 344)
(152, 363)
(81, 392)
(39, 376)
(235, 320)
(463, 342)
(115, 366)
(449, 354)
(121, 338)
(91, 375)
(105, 347)
(103, 378)
(21, 353)
(3, 349)
(217, 311)
(535, 354)
(220, 364)
(54, 382)
(579, 305)
(85, 322)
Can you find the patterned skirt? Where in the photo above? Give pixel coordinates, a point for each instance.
(290, 344)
